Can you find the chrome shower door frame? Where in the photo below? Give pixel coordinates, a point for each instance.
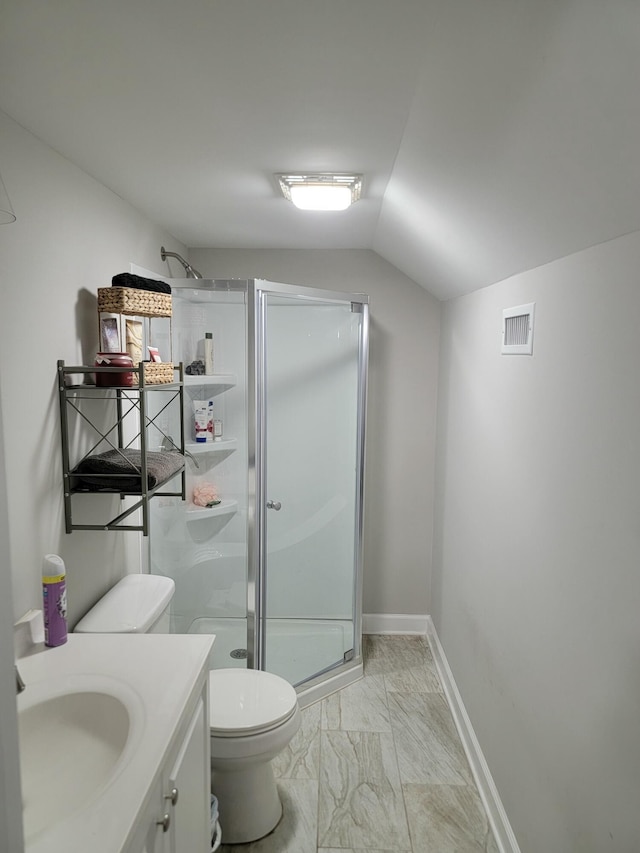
(350, 669)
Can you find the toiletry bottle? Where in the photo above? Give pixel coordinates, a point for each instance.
(54, 600)
(201, 410)
(210, 421)
(208, 353)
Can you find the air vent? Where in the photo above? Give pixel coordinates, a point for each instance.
(517, 330)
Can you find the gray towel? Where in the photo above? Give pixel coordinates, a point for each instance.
(121, 470)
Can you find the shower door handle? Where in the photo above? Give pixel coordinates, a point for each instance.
(274, 505)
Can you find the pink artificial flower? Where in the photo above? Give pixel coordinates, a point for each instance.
(205, 494)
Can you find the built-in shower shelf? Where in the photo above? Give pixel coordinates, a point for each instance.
(227, 507)
(197, 447)
(218, 381)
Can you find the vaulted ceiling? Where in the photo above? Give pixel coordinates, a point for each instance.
(494, 135)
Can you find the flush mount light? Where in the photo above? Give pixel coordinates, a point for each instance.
(321, 190)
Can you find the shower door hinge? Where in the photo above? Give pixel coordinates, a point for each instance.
(356, 307)
(349, 655)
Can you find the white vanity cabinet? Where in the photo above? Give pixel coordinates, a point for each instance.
(177, 817)
(149, 792)
(188, 786)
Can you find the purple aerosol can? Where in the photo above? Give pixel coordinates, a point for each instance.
(54, 600)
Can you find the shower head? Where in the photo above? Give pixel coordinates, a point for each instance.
(191, 273)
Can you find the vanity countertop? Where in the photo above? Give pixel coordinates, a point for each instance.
(158, 678)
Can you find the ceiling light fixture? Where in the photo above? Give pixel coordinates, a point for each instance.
(321, 190)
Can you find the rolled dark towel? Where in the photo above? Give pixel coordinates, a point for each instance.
(127, 279)
(119, 470)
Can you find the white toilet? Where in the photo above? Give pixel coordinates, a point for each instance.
(253, 714)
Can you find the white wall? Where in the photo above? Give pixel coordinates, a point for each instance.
(71, 236)
(11, 839)
(401, 412)
(536, 585)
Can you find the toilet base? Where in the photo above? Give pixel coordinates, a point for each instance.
(248, 801)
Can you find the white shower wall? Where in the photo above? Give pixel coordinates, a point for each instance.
(207, 557)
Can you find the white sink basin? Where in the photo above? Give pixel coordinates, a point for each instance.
(72, 746)
(95, 725)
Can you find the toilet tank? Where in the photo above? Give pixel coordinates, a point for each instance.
(137, 604)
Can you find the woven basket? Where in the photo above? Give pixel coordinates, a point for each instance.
(129, 300)
(158, 372)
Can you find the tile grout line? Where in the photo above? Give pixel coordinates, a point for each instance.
(319, 775)
(395, 752)
(424, 682)
(482, 783)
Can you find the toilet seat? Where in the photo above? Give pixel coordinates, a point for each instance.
(246, 702)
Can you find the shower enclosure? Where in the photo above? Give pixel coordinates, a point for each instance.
(274, 568)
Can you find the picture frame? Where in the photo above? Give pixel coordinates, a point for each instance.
(110, 334)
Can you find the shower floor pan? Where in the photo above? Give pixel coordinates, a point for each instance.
(297, 649)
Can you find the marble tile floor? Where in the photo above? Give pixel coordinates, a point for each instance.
(378, 766)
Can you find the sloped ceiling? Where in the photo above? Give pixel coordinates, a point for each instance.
(494, 135)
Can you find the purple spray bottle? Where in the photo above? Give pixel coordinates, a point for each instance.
(54, 600)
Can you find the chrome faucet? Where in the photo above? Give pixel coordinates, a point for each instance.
(192, 458)
(169, 444)
(20, 685)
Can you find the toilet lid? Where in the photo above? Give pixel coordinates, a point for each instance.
(248, 701)
(129, 607)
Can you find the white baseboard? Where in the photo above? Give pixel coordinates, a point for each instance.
(394, 623)
(498, 819)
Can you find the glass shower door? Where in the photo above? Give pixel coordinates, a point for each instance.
(310, 491)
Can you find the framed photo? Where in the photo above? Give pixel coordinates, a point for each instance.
(110, 334)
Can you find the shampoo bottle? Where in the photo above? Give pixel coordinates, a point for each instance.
(208, 353)
(54, 600)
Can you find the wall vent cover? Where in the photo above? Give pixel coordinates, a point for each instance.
(517, 330)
